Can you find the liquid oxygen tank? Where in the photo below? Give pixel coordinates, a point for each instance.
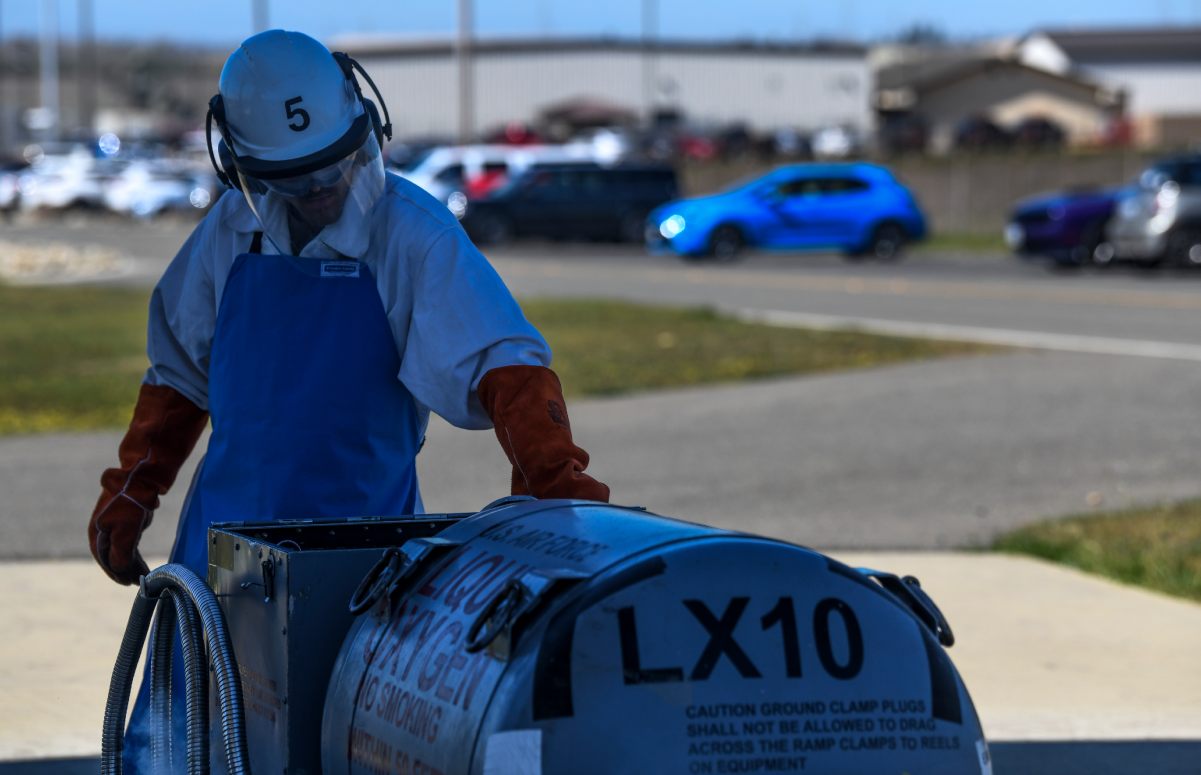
(574, 637)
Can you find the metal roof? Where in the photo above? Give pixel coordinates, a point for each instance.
(919, 72)
(375, 45)
(931, 75)
(1127, 46)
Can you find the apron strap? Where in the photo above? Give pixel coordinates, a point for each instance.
(256, 243)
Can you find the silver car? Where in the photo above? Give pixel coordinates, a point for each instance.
(1160, 219)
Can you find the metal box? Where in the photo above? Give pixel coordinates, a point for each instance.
(284, 587)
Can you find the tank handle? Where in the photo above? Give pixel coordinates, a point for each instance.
(394, 567)
(508, 500)
(513, 602)
(908, 590)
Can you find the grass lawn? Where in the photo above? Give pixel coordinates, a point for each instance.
(607, 348)
(71, 358)
(1157, 546)
(964, 242)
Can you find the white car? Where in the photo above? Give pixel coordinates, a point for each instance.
(455, 169)
(835, 142)
(59, 182)
(148, 188)
(607, 145)
(10, 191)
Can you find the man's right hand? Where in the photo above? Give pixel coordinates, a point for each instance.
(113, 534)
(164, 428)
(530, 418)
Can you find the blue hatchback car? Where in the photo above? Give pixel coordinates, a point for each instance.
(857, 208)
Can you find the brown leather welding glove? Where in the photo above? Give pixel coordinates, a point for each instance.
(161, 435)
(527, 409)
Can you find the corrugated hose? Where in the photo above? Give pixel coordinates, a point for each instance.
(192, 606)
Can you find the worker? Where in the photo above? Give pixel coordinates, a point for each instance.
(316, 316)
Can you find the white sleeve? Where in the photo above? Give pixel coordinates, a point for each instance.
(464, 322)
(183, 314)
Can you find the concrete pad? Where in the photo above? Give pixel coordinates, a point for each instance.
(1049, 654)
(63, 623)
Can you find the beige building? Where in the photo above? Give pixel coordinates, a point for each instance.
(1158, 69)
(941, 90)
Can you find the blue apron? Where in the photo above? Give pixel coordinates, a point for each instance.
(309, 418)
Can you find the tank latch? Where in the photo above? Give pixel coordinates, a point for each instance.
(396, 566)
(494, 628)
(909, 591)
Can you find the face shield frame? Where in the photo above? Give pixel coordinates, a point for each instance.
(340, 195)
(300, 185)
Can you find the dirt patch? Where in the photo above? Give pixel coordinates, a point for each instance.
(57, 262)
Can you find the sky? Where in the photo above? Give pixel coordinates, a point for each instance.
(225, 22)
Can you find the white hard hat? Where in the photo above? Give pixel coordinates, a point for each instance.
(286, 99)
(297, 133)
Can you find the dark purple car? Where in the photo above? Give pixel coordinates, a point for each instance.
(1067, 227)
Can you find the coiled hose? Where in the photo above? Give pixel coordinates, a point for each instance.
(196, 690)
(162, 638)
(200, 620)
(172, 611)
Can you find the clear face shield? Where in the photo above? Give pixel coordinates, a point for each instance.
(337, 198)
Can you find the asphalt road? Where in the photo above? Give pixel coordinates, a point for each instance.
(964, 295)
(947, 453)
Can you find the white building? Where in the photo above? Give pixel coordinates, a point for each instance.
(764, 86)
(1158, 70)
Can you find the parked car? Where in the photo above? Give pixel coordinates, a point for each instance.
(860, 209)
(482, 168)
(571, 201)
(735, 141)
(404, 155)
(607, 144)
(904, 134)
(1066, 227)
(696, 145)
(58, 182)
(1159, 219)
(979, 133)
(836, 142)
(784, 143)
(514, 133)
(1039, 132)
(10, 192)
(148, 188)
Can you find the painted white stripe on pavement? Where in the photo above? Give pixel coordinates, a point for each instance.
(1001, 336)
